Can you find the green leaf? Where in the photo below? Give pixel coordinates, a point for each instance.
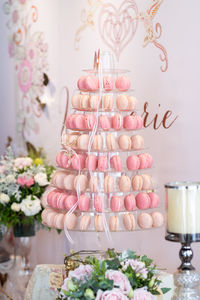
(113, 264)
(146, 260)
(165, 290)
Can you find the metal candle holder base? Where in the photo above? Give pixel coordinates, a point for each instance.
(186, 279)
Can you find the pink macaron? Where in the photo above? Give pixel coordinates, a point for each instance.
(108, 102)
(122, 83)
(76, 101)
(60, 201)
(65, 160)
(154, 199)
(150, 160)
(116, 203)
(110, 142)
(94, 184)
(147, 182)
(78, 161)
(105, 122)
(133, 162)
(146, 160)
(137, 142)
(124, 142)
(85, 222)
(89, 121)
(79, 121)
(70, 121)
(143, 201)
(117, 122)
(129, 202)
(94, 102)
(84, 203)
(109, 184)
(84, 102)
(58, 179)
(137, 183)
(158, 219)
(91, 162)
(98, 203)
(98, 223)
(70, 201)
(130, 122)
(108, 83)
(122, 102)
(44, 214)
(129, 222)
(70, 221)
(102, 163)
(124, 183)
(97, 142)
(81, 83)
(145, 221)
(113, 223)
(81, 183)
(116, 163)
(58, 221)
(50, 196)
(132, 102)
(91, 83)
(139, 122)
(83, 142)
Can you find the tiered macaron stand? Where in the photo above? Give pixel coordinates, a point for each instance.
(104, 179)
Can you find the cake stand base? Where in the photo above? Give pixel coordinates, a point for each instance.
(186, 283)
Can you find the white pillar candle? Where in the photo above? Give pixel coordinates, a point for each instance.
(183, 204)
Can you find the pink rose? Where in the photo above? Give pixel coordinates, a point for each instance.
(137, 266)
(25, 181)
(81, 272)
(114, 294)
(120, 280)
(141, 294)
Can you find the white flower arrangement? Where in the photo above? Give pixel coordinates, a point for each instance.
(22, 182)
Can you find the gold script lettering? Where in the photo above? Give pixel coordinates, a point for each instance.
(155, 122)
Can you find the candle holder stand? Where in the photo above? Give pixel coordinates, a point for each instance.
(186, 279)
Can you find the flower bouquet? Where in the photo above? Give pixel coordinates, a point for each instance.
(22, 182)
(120, 276)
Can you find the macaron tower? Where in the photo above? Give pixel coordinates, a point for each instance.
(104, 179)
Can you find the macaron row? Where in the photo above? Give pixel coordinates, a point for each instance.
(91, 83)
(81, 182)
(117, 122)
(109, 142)
(62, 200)
(126, 222)
(92, 102)
(103, 163)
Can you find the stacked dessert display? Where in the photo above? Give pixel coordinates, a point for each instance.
(104, 177)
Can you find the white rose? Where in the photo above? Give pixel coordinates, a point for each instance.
(23, 162)
(41, 179)
(10, 179)
(15, 206)
(30, 207)
(4, 198)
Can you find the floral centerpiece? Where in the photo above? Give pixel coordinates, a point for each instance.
(22, 182)
(120, 276)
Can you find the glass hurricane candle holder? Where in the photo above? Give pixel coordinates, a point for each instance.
(183, 226)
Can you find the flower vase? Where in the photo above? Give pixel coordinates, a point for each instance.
(23, 234)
